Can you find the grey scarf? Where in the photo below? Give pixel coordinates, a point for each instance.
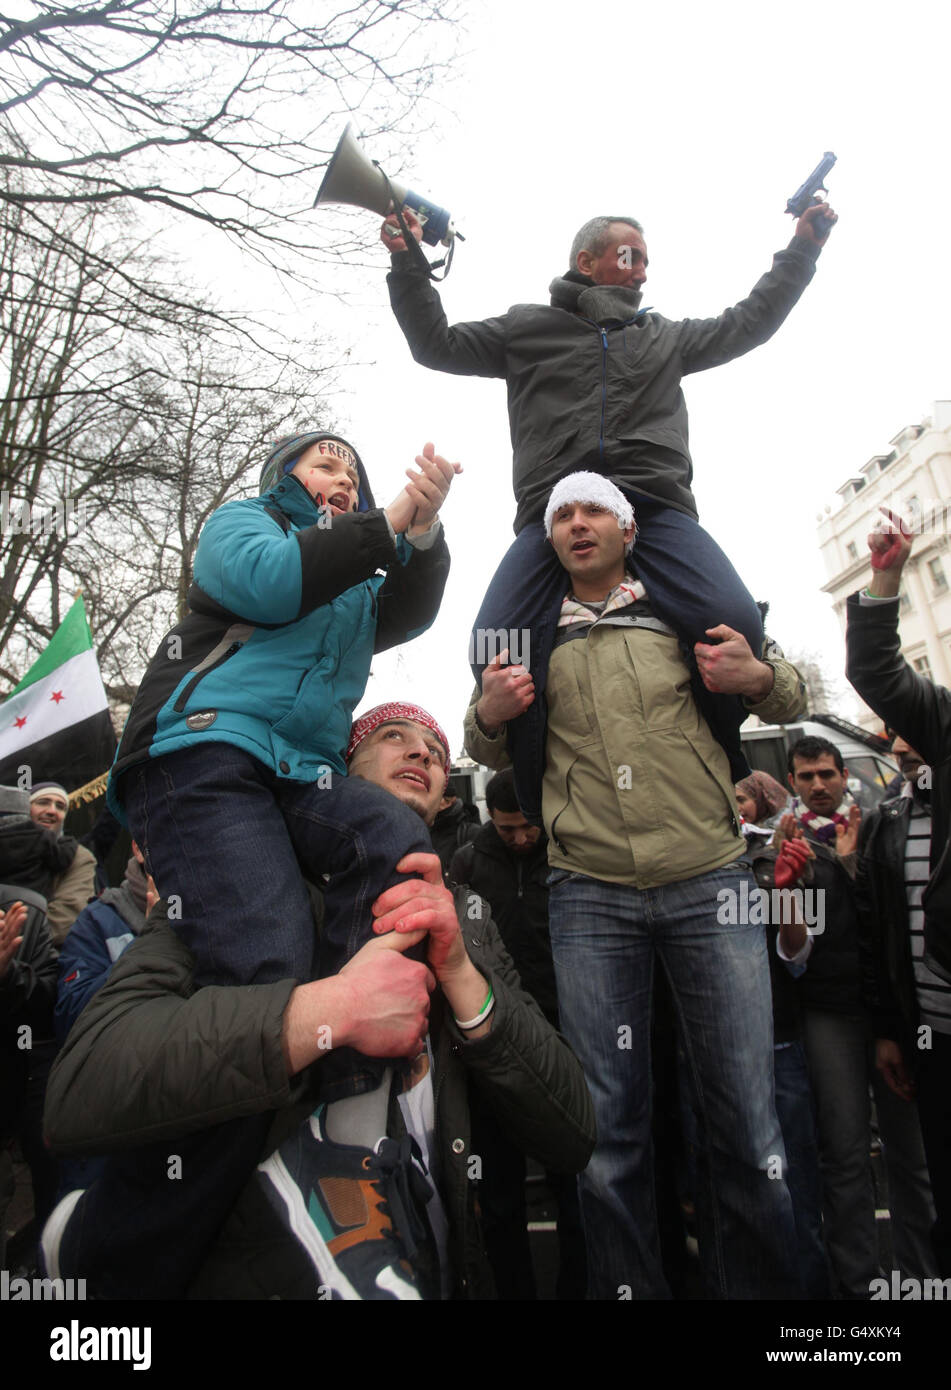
(600, 303)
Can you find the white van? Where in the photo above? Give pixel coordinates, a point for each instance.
(871, 767)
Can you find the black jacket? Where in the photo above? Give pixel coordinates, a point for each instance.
(603, 394)
(31, 856)
(888, 972)
(832, 978)
(27, 996)
(516, 888)
(920, 711)
(452, 829)
(152, 1058)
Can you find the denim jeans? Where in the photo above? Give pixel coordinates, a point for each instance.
(605, 937)
(797, 1121)
(231, 840)
(841, 1066)
(691, 584)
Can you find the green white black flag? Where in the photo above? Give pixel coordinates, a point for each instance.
(55, 725)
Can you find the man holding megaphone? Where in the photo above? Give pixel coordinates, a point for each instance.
(594, 384)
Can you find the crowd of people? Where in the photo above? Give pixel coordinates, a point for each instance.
(299, 1054)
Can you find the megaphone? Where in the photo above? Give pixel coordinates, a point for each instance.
(355, 179)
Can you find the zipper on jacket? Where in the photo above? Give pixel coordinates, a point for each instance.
(604, 389)
(519, 868)
(604, 370)
(187, 693)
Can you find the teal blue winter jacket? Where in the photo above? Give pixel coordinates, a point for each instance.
(284, 616)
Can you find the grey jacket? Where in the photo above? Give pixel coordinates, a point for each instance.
(152, 1058)
(602, 393)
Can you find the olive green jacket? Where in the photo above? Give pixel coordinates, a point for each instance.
(636, 788)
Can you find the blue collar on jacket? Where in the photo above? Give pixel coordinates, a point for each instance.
(293, 499)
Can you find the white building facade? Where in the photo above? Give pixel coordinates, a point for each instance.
(913, 479)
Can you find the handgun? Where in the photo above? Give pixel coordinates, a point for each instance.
(805, 195)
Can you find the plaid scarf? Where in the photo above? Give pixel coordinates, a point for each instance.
(821, 828)
(573, 610)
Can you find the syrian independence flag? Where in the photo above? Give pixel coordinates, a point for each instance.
(56, 722)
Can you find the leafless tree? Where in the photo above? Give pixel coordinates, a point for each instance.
(222, 112)
(129, 412)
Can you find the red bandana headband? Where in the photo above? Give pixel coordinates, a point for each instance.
(385, 714)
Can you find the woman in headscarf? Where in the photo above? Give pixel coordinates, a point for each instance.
(761, 801)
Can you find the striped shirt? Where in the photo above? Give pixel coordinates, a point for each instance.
(934, 994)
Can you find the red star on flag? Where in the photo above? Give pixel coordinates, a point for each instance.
(57, 695)
(18, 723)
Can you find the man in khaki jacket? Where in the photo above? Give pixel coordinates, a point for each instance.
(647, 859)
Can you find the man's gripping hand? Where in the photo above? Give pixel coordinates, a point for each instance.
(378, 1004)
(390, 234)
(507, 692)
(426, 904)
(730, 668)
(422, 905)
(806, 226)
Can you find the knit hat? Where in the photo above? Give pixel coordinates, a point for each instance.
(287, 451)
(590, 487)
(39, 788)
(385, 714)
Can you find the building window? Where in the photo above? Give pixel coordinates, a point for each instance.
(852, 550)
(923, 666)
(938, 578)
(904, 602)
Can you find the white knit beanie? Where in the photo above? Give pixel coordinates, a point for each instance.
(590, 487)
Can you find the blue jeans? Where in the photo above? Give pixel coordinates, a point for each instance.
(604, 940)
(797, 1121)
(692, 586)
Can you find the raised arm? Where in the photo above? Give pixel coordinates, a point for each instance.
(917, 708)
(710, 342)
(465, 349)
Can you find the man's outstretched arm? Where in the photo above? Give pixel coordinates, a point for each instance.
(710, 342)
(465, 349)
(915, 707)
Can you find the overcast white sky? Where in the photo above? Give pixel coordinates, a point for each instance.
(700, 121)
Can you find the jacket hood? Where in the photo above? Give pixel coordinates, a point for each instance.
(289, 449)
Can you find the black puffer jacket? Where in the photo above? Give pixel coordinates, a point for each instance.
(603, 394)
(920, 711)
(152, 1058)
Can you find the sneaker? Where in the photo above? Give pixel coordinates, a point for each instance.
(53, 1232)
(353, 1210)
